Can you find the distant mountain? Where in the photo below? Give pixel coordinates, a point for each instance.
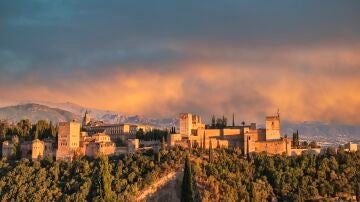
(68, 111)
(36, 112)
(324, 133)
(77, 109)
(113, 117)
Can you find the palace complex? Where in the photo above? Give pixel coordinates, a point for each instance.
(246, 137)
(115, 131)
(94, 138)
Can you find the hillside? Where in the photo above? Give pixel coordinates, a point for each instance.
(36, 112)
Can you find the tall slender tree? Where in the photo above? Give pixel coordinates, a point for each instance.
(103, 180)
(213, 122)
(210, 152)
(187, 193)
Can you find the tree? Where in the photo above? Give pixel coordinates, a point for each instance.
(224, 121)
(210, 152)
(305, 144)
(295, 141)
(41, 130)
(52, 131)
(313, 144)
(187, 193)
(24, 126)
(103, 180)
(4, 126)
(213, 122)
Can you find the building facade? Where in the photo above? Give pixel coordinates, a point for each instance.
(351, 147)
(38, 149)
(189, 123)
(68, 140)
(246, 137)
(72, 142)
(272, 127)
(96, 145)
(118, 131)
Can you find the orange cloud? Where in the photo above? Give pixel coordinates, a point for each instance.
(306, 84)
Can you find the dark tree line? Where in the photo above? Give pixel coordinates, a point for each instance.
(25, 130)
(155, 134)
(218, 123)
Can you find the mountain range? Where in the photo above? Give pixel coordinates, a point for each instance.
(324, 133)
(56, 112)
(36, 112)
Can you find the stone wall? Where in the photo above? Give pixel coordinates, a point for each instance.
(274, 146)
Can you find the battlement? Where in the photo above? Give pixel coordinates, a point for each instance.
(272, 125)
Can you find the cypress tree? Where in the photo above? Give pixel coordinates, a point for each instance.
(103, 181)
(187, 193)
(213, 122)
(210, 152)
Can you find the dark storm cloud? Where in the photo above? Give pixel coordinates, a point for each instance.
(88, 34)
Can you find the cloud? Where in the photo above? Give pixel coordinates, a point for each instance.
(159, 58)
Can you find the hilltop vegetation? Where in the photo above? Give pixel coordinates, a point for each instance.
(215, 175)
(115, 179)
(25, 130)
(263, 178)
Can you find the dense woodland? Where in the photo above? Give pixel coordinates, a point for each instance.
(105, 179)
(262, 177)
(212, 175)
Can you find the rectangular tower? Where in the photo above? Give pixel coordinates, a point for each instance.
(68, 140)
(185, 124)
(273, 127)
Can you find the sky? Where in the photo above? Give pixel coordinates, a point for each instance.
(162, 57)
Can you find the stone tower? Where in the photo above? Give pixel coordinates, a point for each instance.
(86, 119)
(185, 124)
(273, 127)
(68, 140)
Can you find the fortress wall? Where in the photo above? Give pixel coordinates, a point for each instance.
(274, 147)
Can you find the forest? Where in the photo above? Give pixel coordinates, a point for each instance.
(261, 177)
(118, 178)
(209, 175)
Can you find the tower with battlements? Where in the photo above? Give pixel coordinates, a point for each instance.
(272, 124)
(190, 122)
(68, 140)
